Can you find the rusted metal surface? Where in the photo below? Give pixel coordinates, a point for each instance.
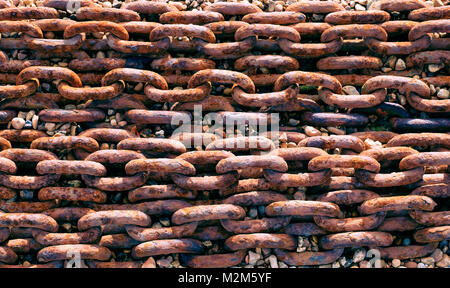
(125, 179)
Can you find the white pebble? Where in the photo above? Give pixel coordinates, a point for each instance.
(443, 94)
(17, 123)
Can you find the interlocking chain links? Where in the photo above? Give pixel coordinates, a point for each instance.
(218, 198)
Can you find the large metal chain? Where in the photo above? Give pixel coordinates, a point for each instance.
(102, 169)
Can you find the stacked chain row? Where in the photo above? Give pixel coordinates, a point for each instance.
(242, 181)
(116, 194)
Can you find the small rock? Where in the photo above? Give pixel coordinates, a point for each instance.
(411, 264)
(278, 8)
(253, 213)
(350, 90)
(17, 123)
(445, 262)
(74, 183)
(437, 255)
(164, 221)
(335, 265)
(164, 263)
(293, 122)
(386, 69)
(391, 61)
(227, 91)
(370, 144)
(21, 56)
(359, 7)
(432, 89)
(443, 94)
(421, 265)
(28, 125)
(138, 87)
(253, 258)
(70, 107)
(400, 65)
(396, 263)
(435, 67)
(26, 194)
(273, 261)
(30, 115)
(300, 195)
(207, 243)
(66, 226)
(35, 121)
(46, 87)
(427, 260)
(311, 131)
(402, 99)
(282, 265)
(317, 17)
(359, 255)
(156, 225)
(406, 242)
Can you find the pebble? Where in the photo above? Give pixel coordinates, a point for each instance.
(30, 115)
(311, 131)
(406, 242)
(282, 265)
(443, 94)
(253, 213)
(437, 255)
(427, 260)
(26, 194)
(445, 262)
(273, 261)
(28, 124)
(253, 258)
(400, 65)
(35, 121)
(411, 264)
(17, 123)
(335, 265)
(22, 114)
(300, 195)
(66, 226)
(396, 263)
(359, 7)
(370, 144)
(139, 87)
(391, 61)
(421, 265)
(164, 221)
(293, 122)
(435, 67)
(359, 255)
(164, 263)
(350, 90)
(386, 69)
(402, 99)
(74, 183)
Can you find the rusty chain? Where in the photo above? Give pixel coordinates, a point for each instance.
(102, 190)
